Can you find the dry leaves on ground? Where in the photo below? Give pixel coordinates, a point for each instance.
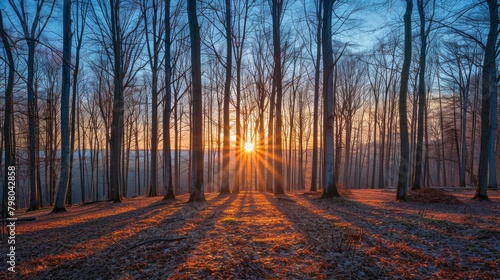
(252, 235)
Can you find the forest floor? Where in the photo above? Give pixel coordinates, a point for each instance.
(251, 235)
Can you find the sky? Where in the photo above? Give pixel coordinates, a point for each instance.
(371, 20)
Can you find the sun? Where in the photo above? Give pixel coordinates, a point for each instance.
(248, 147)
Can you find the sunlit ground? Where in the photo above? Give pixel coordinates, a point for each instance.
(253, 235)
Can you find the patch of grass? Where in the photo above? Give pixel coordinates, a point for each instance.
(344, 237)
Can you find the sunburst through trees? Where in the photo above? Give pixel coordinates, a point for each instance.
(240, 86)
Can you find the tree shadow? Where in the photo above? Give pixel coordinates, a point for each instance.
(62, 250)
(368, 239)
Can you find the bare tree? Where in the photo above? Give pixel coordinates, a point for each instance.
(32, 29)
(82, 8)
(167, 110)
(116, 23)
(226, 148)
(489, 96)
(48, 69)
(351, 94)
(9, 155)
(329, 188)
(117, 124)
(424, 37)
(403, 95)
(460, 61)
(153, 29)
(261, 82)
(65, 94)
(239, 33)
(314, 168)
(276, 12)
(197, 191)
(270, 153)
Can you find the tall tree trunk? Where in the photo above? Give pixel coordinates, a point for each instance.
(293, 97)
(117, 124)
(347, 154)
(167, 151)
(259, 151)
(32, 123)
(329, 187)
(65, 94)
(126, 157)
(314, 168)
(137, 162)
(208, 127)
(153, 48)
(375, 121)
(226, 149)
(76, 69)
(441, 122)
(9, 155)
(473, 178)
(239, 142)
(81, 158)
(270, 141)
(427, 175)
(278, 146)
(492, 169)
(489, 83)
(392, 137)
(153, 181)
(460, 142)
(421, 98)
(403, 95)
(32, 31)
(239, 151)
(383, 139)
(177, 154)
(464, 92)
(197, 192)
(220, 129)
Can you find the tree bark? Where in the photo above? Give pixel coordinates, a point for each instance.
(65, 94)
(329, 187)
(32, 136)
(278, 148)
(82, 9)
(489, 83)
(270, 141)
(117, 124)
(421, 98)
(314, 167)
(226, 148)
(153, 48)
(197, 192)
(9, 155)
(403, 95)
(167, 111)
